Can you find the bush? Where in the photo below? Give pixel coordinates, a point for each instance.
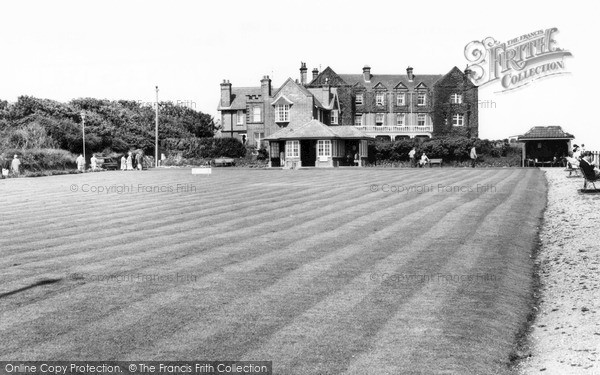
(42, 159)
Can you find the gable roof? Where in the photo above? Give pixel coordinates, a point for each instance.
(292, 82)
(314, 129)
(545, 132)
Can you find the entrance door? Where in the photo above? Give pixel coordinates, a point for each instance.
(308, 153)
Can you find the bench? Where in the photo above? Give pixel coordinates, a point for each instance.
(435, 161)
(224, 162)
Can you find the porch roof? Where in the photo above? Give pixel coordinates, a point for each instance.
(538, 133)
(315, 129)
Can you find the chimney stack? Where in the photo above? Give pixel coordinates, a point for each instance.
(409, 73)
(265, 87)
(315, 73)
(303, 71)
(367, 73)
(225, 93)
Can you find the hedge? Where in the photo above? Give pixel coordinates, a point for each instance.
(205, 147)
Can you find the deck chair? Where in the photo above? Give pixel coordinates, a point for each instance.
(589, 180)
(572, 167)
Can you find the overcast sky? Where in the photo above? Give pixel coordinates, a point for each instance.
(122, 49)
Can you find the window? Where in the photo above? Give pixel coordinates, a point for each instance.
(380, 98)
(359, 99)
(456, 99)
(400, 99)
(240, 117)
(421, 119)
(274, 149)
(400, 119)
(334, 117)
(358, 120)
(292, 149)
(258, 137)
(256, 114)
(379, 119)
(421, 100)
(282, 113)
(458, 120)
(324, 148)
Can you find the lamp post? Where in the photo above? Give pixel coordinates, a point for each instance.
(83, 132)
(156, 133)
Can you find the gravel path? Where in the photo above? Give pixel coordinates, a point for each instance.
(566, 334)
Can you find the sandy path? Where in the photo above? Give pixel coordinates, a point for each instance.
(566, 335)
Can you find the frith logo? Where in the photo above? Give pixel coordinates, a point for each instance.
(517, 62)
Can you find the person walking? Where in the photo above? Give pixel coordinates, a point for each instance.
(80, 163)
(473, 156)
(411, 157)
(15, 165)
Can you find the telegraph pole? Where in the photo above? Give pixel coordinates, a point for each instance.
(156, 133)
(83, 132)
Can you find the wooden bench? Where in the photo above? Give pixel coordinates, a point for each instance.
(435, 161)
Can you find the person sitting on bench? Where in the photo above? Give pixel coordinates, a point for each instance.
(589, 169)
(424, 160)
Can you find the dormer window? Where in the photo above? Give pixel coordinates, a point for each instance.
(282, 113)
(380, 98)
(334, 117)
(421, 100)
(359, 99)
(456, 99)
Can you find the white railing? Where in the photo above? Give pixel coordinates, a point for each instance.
(395, 128)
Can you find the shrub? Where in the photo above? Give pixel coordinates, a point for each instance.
(43, 159)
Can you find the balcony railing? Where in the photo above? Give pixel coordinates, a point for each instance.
(395, 128)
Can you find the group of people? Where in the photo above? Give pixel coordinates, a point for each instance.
(425, 160)
(583, 159)
(11, 167)
(127, 163)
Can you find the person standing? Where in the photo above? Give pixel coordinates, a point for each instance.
(162, 159)
(282, 159)
(94, 162)
(5, 167)
(129, 162)
(15, 165)
(473, 156)
(123, 163)
(80, 163)
(139, 160)
(411, 157)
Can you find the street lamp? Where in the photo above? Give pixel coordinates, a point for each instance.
(156, 133)
(83, 131)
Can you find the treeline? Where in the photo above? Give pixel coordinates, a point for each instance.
(115, 126)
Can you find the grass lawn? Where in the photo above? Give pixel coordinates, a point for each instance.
(319, 271)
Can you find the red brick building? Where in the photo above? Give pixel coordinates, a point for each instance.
(389, 106)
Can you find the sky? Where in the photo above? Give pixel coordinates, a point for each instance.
(63, 50)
